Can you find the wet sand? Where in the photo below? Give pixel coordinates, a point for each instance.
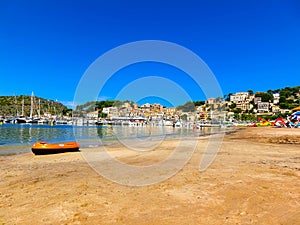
(254, 179)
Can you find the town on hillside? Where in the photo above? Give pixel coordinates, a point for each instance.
(241, 108)
(233, 109)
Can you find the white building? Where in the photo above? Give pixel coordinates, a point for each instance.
(239, 97)
(276, 97)
(92, 115)
(263, 106)
(210, 101)
(110, 110)
(146, 105)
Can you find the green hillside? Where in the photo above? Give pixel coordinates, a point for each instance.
(12, 105)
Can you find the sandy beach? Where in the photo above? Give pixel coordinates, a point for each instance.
(254, 179)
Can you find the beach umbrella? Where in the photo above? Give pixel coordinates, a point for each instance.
(296, 109)
(296, 113)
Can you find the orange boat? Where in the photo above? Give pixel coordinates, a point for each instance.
(42, 148)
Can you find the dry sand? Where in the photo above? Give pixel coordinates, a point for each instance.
(255, 179)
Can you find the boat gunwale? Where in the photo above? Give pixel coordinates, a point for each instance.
(41, 148)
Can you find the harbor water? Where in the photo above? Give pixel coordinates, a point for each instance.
(18, 138)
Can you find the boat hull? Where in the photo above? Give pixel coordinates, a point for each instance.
(20, 120)
(43, 148)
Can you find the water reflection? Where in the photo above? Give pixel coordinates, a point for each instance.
(27, 134)
(14, 134)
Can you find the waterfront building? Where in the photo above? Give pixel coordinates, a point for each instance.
(125, 109)
(92, 115)
(110, 110)
(145, 108)
(156, 107)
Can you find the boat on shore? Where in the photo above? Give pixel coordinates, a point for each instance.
(43, 148)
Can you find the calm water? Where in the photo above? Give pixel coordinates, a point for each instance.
(18, 138)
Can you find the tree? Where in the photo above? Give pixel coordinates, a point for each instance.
(184, 117)
(187, 107)
(232, 106)
(103, 115)
(282, 99)
(265, 97)
(199, 103)
(237, 110)
(108, 103)
(250, 92)
(237, 116)
(67, 112)
(228, 97)
(248, 117)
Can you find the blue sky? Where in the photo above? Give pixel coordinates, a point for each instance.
(46, 46)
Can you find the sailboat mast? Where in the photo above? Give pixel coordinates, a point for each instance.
(31, 105)
(22, 107)
(39, 108)
(16, 106)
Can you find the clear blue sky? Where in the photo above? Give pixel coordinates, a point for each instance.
(46, 46)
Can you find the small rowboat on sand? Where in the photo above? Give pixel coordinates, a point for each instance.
(42, 148)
